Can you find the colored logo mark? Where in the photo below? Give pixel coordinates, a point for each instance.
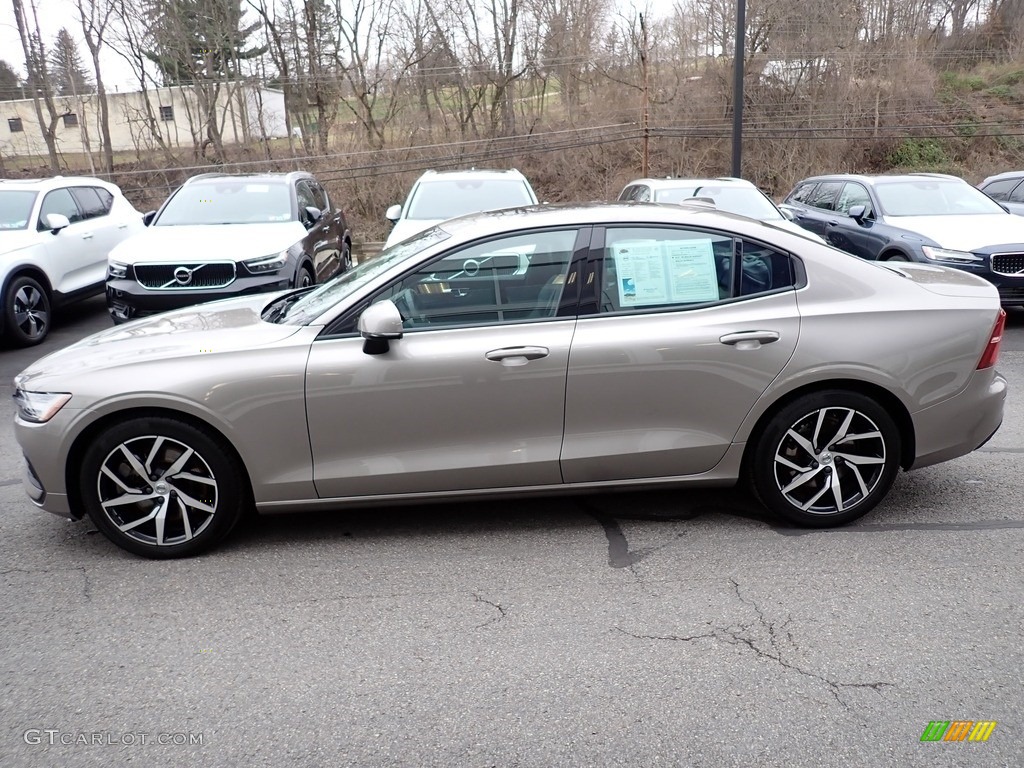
(958, 730)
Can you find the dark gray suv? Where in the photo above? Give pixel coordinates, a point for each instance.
(220, 236)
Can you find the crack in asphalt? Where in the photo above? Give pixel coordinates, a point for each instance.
(739, 635)
(502, 613)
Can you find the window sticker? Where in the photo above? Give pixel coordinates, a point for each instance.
(640, 273)
(691, 265)
(650, 272)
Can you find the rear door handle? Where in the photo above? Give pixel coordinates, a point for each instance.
(749, 339)
(516, 355)
(87, 236)
(123, 225)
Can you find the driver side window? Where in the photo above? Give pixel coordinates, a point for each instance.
(853, 194)
(511, 279)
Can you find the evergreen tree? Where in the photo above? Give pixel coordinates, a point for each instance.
(199, 40)
(10, 83)
(70, 77)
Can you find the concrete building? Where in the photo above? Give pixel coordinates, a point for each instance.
(247, 112)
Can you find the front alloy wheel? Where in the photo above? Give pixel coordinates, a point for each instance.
(826, 459)
(28, 311)
(161, 488)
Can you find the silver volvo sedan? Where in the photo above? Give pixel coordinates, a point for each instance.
(529, 351)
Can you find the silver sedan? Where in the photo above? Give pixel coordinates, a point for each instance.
(534, 351)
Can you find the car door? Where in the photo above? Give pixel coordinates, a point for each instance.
(818, 211)
(320, 243)
(95, 203)
(74, 251)
(1015, 200)
(472, 396)
(688, 330)
(863, 237)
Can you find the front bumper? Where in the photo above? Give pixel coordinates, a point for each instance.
(44, 460)
(127, 300)
(962, 423)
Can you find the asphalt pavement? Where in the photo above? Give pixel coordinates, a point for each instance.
(676, 628)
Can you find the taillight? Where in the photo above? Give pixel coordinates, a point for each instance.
(991, 354)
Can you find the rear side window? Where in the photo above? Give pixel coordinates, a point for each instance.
(59, 201)
(802, 192)
(825, 195)
(1000, 190)
(652, 268)
(1017, 196)
(90, 202)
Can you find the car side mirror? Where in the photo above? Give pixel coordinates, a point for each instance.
(147, 217)
(312, 215)
(379, 324)
(788, 213)
(393, 214)
(55, 222)
(856, 213)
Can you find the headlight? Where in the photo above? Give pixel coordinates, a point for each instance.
(39, 407)
(942, 254)
(116, 270)
(270, 263)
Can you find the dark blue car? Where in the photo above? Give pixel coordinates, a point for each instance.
(925, 217)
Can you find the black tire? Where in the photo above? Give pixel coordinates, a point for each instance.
(304, 277)
(801, 441)
(896, 257)
(346, 256)
(27, 312)
(205, 495)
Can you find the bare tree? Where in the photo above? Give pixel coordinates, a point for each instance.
(95, 16)
(38, 77)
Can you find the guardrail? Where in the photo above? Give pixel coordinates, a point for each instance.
(365, 251)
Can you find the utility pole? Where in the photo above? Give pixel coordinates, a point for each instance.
(645, 114)
(737, 89)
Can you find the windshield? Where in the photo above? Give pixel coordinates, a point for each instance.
(933, 197)
(15, 208)
(319, 300)
(228, 201)
(742, 200)
(448, 198)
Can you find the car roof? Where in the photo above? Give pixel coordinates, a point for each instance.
(266, 178)
(1002, 176)
(881, 178)
(568, 214)
(475, 173)
(675, 183)
(51, 182)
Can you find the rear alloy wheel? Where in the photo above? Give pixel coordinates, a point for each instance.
(826, 459)
(161, 488)
(305, 277)
(27, 309)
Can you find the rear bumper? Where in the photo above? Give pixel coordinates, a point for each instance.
(961, 424)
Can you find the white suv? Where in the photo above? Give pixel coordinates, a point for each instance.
(440, 195)
(55, 235)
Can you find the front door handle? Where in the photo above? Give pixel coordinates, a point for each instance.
(517, 355)
(87, 236)
(749, 339)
